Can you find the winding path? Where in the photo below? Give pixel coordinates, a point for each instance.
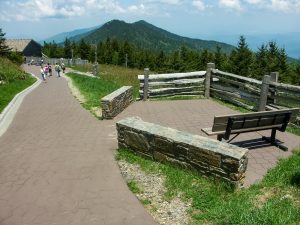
(57, 165)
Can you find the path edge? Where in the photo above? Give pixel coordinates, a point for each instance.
(9, 112)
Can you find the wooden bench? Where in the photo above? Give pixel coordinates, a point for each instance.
(226, 125)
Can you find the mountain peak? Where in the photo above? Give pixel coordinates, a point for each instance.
(141, 22)
(148, 36)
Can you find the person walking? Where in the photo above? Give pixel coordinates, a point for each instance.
(63, 67)
(57, 69)
(43, 74)
(49, 70)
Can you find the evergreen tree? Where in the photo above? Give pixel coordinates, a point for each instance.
(261, 62)
(241, 58)
(84, 49)
(220, 59)
(67, 49)
(4, 49)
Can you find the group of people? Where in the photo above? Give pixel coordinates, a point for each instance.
(46, 70)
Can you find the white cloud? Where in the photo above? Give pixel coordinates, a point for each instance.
(200, 5)
(168, 2)
(231, 4)
(281, 5)
(254, 2)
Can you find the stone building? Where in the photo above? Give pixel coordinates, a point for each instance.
(28, 47)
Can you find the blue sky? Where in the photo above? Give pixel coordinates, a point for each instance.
(40, 19)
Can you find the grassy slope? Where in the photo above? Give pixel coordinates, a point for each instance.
(15, 80)
(276, 200)
(114, 77)
(92, 89)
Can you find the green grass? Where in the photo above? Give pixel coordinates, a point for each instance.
(13, 80)
(9, 90)
(133, 187)
(118, 75)
(10, 72)
(83, 68)
(121, 76)
(92, 89)
(276, 200)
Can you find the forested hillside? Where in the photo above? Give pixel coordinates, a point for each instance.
(146, 36)
(268, 58)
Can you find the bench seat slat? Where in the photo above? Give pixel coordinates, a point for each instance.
(224, 118)
(209, 131)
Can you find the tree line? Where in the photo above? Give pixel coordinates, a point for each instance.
(268, 58)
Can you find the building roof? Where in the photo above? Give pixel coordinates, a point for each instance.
(18, 44)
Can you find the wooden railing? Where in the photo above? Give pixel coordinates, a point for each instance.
(164, 85)
(52, 61)
(241, 91)
(249, 93)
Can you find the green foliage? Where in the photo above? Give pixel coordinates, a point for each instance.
(149, 37)
(16, 57)
(92, 89)
(13, 80)
(274, 201)
(117, 51)
(241, 59)
(4, 49)
(10, 71)
(133, 186)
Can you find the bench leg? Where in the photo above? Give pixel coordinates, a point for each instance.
(220, 137)
(274, 142)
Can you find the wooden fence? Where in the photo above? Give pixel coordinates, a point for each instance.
(164, 85)
(249, 93)
(52, 61)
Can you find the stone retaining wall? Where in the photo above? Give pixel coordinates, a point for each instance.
(116, 102)
(209, 157)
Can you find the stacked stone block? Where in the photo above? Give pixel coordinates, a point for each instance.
(207, 156)
(116, 102)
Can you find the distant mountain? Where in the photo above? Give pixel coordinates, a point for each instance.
(79, 33)
(148, 36)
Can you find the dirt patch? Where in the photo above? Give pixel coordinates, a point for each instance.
(164, 212)
(74, 90)
(264, 197)
(97, 111)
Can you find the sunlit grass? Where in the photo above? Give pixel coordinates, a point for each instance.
(273, 201)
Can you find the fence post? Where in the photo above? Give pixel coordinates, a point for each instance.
(146, 85)
(264, 93)
(210, 66)
(274, 78)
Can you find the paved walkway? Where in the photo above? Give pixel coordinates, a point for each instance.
(57, 165)
(57, 161)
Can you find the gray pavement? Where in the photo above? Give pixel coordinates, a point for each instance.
(57, 165)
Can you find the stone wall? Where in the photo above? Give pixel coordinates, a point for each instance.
(116, 102)
(207, 156)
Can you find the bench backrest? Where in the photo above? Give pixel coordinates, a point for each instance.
(255, 121)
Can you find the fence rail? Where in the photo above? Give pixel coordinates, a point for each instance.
(245, 92)
(164, 85)
(52, 61)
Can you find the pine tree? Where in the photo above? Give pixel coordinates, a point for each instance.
(4, 49)
(241, 58)
(219, 58)
(261, 62)
(84, 49)
(67, 49)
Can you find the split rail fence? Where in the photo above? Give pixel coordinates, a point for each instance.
(249, 93)
(52, 61)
